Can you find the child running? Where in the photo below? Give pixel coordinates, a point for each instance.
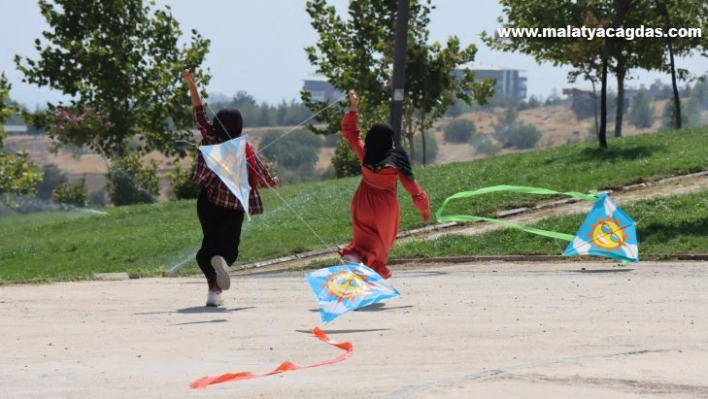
(220, 212)
(375, 209)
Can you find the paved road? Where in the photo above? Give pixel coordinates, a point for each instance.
(486, 330)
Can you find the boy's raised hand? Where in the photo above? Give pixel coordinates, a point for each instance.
(354, 100)
(188, 76)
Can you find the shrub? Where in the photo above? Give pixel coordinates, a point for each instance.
(459, 131)
(98, 197)
(523, 136)
(71, 194)
(19, 176)
(53, 177)
(483, 145)
(128, 182)
(344, 161)
(181, 187)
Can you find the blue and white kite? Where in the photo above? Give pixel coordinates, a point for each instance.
(340, 289)
(607, 231)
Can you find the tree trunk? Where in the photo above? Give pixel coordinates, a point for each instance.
(408, 129)
(602, 134)
(621, 74)
(663, 10)
(422, 137)
(623, 7)
(594, 105)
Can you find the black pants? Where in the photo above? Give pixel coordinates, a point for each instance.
(221, 229)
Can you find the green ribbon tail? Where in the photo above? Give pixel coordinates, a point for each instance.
(517, 189)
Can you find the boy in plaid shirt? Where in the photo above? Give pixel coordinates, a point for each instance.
(220, 212)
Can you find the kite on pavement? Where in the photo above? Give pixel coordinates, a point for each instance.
(343, 288)
(607, 231)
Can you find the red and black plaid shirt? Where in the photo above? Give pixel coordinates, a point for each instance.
(217, 191)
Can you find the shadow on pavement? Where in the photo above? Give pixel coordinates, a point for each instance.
(201, 322)
(601, 271)
(205, 309)
(345, 331)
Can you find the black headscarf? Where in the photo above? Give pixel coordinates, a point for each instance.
(228, 124)
(380, 151)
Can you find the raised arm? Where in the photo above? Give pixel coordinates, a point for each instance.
(200, 117)
(350, 127)
(188, 77)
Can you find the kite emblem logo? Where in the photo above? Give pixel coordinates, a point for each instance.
(607, 234)
(347, 285)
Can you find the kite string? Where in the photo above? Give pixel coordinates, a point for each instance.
(303, 122)
(263, 177)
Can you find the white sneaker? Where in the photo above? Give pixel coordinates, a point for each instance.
(351, 258)
(214, 299)
(222, 272)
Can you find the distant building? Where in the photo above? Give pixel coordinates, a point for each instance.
(15, 129)
(321, 89)
(510, 83)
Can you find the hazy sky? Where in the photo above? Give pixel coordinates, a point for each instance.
(258, 46)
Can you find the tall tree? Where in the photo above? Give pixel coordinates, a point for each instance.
(119, 59)
(18, 175)
(357, 53)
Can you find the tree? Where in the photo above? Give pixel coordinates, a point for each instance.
(602, 55)
(119, 58)
(641, 113)
(429, 152)
(436, 83)
(18, 175)
(291, 150)
(357, 53)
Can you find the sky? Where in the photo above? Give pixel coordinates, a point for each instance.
(258, 46)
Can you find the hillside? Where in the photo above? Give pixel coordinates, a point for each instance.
(557, 124)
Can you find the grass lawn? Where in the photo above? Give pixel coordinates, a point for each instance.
(149, 239)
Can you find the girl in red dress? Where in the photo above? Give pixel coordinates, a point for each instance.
(374, 208)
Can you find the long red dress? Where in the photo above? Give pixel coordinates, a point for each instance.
(374, 207)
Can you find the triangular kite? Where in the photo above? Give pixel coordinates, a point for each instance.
(340, 289)
(607, 231)
(228, 161)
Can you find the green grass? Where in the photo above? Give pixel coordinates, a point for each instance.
(150, 239)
